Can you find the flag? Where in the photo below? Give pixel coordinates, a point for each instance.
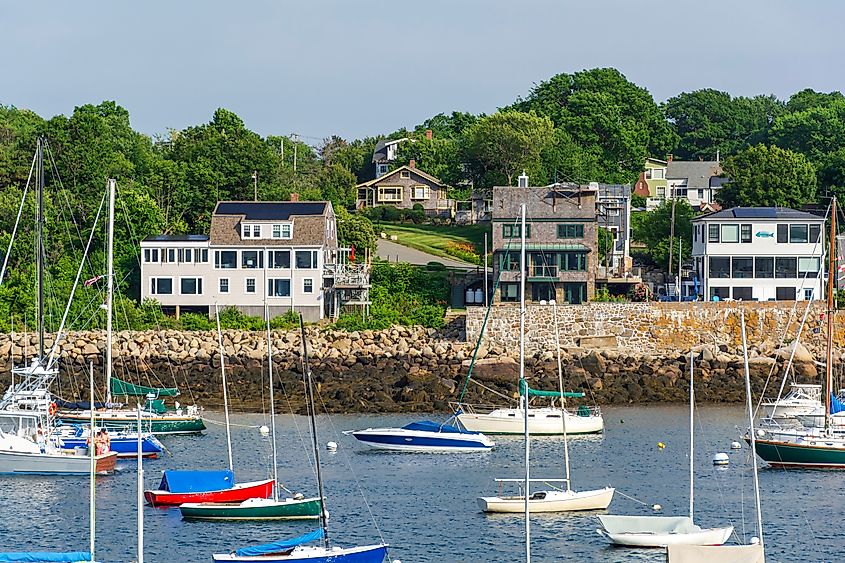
(92, 281)
(352, 253)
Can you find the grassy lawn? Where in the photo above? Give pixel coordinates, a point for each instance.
(436, 239)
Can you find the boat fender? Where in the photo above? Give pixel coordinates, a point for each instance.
(54, 408)
(736, 446)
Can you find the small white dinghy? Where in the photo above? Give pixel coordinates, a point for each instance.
(548, 501)
(720, 553)
(659, 531)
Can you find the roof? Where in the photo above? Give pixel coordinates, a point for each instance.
(696, 172)
(783, 213)
(380, 152)
(270, 210)
(415, 170)
(176, 238)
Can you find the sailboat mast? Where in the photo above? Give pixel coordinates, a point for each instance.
(92, 479)
(560, 386)
(751, 430)
(524, 385)
(109, 294)
(691, 436)
(225, 387)
(39, 247)
(272, 409)
(306, 373)
(831, 276)
(140, 500)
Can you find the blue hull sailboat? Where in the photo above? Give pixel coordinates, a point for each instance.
(294, 550)
(124, 443)
(425, 436)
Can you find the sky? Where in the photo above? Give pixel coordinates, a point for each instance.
(357, 68)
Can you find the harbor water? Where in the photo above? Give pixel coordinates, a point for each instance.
(424, 505)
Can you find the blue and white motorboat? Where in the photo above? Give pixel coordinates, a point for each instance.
(425, 436)
(122, 442)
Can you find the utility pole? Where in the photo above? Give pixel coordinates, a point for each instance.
(255, 184)
(672, 231)
(295, 139)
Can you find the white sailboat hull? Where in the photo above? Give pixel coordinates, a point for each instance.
(543, 421)
(549, 501)
(659, 531)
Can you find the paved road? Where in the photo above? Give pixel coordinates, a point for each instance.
(395, 252)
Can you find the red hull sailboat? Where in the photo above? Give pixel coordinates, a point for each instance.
(178, 487)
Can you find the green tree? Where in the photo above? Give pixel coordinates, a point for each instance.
(654, 230)
(814, 131)
(768, 176)
(355, 229)
(500, 146)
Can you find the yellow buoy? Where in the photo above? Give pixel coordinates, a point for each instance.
(661, 445)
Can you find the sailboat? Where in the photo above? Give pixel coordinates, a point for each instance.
(554, 500)
(69, 556)
(180, 487)
(295, 508)
(295, 549)
(662, 531)
(754, 552)
(816, 447)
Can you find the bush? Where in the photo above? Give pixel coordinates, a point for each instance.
(603, 295)
(288, 321)
(435, 267)
(195, 321)
(464, 251)
(639, 293)
(390, 213)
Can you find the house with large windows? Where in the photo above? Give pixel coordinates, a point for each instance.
(561, 238)
(280, 255)
(406, 187)
(759, 254)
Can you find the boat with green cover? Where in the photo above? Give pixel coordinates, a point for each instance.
(253, 509)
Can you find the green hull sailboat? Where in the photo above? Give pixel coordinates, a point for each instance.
(254, 509)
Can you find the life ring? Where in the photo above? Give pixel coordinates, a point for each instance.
(54, 408)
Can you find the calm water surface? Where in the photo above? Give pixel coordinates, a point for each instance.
(424, 505)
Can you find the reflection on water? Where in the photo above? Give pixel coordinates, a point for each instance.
(424, 505)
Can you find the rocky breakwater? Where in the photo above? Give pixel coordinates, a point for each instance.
(402, 369)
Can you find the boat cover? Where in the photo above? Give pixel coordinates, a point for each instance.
(80, 405)
(524, 388)
(648, 524)
(720, 553)
(120, 387)
(431, 426)
(46, 557)
(196, 481)
(836, 405)
(279, 546)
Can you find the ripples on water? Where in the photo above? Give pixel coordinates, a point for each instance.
(425, 505)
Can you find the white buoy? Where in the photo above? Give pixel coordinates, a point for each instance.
(656, 507)
(721, 458)
(761, 433)
(264, 431)
(331, 446)
(736, 446)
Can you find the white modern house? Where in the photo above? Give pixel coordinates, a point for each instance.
(283, 255)
(759, 254)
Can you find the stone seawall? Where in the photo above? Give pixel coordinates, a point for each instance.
(395, 370)
(652, 328)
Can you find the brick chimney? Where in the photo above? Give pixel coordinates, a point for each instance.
(294, 197)
(428, 134)
(412, 163)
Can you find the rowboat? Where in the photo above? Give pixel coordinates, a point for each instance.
(180, 487)
(659, 531)
(424, 436)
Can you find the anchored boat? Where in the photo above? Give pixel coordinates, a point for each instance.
(179, 487)
(424, 436)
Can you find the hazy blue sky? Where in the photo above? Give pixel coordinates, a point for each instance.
(362, 67)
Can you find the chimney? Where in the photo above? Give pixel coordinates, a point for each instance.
(294, 197)
(428, 134)
(523, 180)
(412, 163)
(669, 158)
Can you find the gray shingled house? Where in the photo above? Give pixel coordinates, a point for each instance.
(405, 187)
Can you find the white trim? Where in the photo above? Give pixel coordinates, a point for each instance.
(254, 286)
(220, 287)
(312, 286)
(154, 280)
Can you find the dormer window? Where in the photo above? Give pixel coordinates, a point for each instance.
(283, 231)
(256, 231)
(250, 231)
(405, 174)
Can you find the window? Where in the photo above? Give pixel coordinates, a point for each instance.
(306, 259)
(250, 285)
(713, 233)
(661, 192)
(786, 268)
(189, 255)
(256, 231)
(405, 174)
(287, 231)
(515, 231)
(282, 231)
(225, 259)
(720, 293)
(575, 230)
(798, 234)
(808, 294)
(419, 192)
(390, 194)
(730, 233)
(742, 293)
(252, 259)
(278, 288)
(246, 231)
(815, 231)
(657, 173)
(277, 231)
(743, 267)
(278, 259)
(509, 262)
(204, 256)
(150, 255)
(808, 267)
(764, 267)
(510, 292)
(381, 170)
(190, 286)
(785, 293)
(783, 233)
(745, 233)
(161, 286)
(720, 267)
(224, 285)
(307, 285)
(573, 261)
(169, 255)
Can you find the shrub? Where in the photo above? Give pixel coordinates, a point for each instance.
(464, 251)
(288, 321)
(435, 267)
(390, 213)
(195, 321)
(639, 293)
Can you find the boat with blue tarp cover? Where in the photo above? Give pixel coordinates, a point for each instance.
(124, 443)
(178, 487)
(46, 557)
(425, 436)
